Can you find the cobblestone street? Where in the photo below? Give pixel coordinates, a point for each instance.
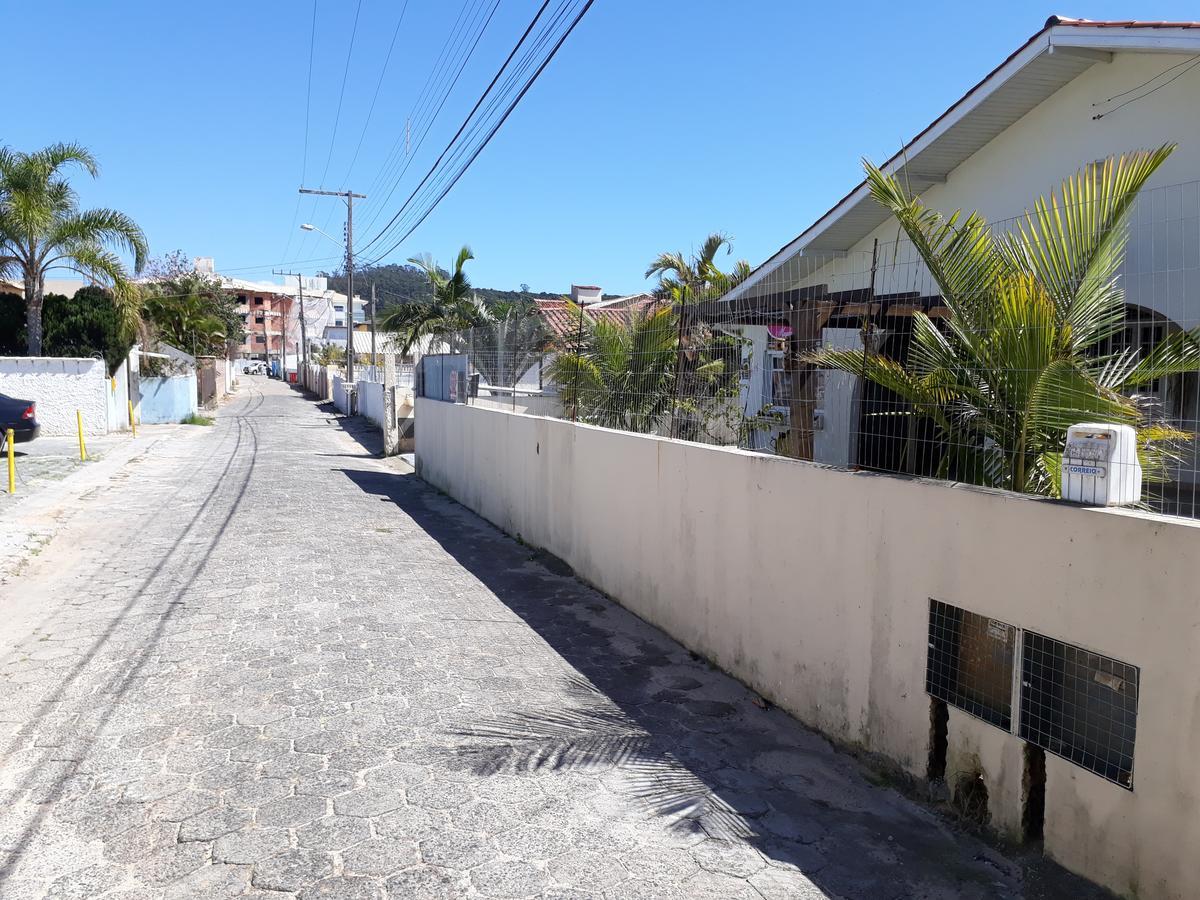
(258, 661)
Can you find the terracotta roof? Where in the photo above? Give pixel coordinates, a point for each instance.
(564, 321)
(1127, 23)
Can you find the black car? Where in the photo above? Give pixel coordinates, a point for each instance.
(20, 416)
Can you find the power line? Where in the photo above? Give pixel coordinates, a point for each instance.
(342, 94)
(428, 123)
(487, 90)
(451, 39)
(505, 91)
(312, 40)
(379, 84)
(338, 114)
(494, 129)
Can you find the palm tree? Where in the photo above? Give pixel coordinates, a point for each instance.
(1022, 356)
(624, 375)
(689, 280)
(451, 309)
(508, 340)
(42, 228)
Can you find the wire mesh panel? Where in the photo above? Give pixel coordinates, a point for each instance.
(970, 662)
(1079, 705)
(875, 358)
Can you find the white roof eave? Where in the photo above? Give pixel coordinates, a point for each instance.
(1087, 46)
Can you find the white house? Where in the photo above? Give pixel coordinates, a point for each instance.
(1076, 92)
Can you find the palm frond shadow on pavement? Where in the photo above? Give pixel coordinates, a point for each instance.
(595, 734)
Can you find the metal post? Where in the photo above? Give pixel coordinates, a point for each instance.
(82, 445)
(349, 292)
(9, 440)
(374, 361)
(302, 360)
(266, 342)
(132, 421)
(349, 197)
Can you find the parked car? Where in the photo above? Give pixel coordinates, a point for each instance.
(20, 416)
(257, 367)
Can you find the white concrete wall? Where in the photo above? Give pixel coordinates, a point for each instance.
(117, 400)
(812, 585)
(370, 401)
(339, 397)
(59, 386)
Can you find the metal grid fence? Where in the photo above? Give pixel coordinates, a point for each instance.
(1079, 705)
(857, 359)
(970, 662)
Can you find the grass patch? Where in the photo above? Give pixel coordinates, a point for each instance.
(195, 419)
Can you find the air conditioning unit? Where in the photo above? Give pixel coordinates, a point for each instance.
(1100, 465)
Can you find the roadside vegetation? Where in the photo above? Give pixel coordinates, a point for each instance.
(1022, 357)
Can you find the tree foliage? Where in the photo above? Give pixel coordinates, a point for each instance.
(1022, 356)
(84, 325)
(43, 229)
(192, 311)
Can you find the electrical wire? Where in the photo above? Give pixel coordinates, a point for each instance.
(457, 38)
(424, 128)
(342, 93)
(1143, 96)
(451, 39)
(1147, 81)
(312, 40)
(379, 84)
(474, 109)
(337, 115)
(506, 90)
(492, 132)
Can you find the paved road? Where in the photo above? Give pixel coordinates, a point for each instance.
(256, 661)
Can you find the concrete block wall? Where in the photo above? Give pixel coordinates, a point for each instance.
(812, 585)
(60, 386)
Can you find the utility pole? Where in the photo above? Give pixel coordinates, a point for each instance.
(374, 362)
(303, 330)
(349, 197)
(266, 342)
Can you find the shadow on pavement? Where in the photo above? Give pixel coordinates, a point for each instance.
(697, 753)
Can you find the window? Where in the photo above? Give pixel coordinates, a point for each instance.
(258, 301)
(970, 662)
(1079, 705)
(241, 298)
(259, 339)
(339, 323)
(259, 319)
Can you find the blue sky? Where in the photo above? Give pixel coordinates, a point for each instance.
(659, 121)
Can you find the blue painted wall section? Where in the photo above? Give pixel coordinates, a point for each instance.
(168, 399)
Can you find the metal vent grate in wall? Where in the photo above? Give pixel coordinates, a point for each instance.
(970, 662)
(1079, 705)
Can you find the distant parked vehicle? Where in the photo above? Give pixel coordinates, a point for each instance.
(257, 367)
(20, 416)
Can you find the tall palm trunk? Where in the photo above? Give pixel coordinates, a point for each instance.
(34, 289)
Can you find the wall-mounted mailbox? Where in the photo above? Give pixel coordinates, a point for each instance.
(1100, 465)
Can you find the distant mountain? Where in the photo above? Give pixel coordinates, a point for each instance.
(403, 283)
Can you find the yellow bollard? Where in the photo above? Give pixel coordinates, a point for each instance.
(9, 440)
(82, 446)
(132, 423)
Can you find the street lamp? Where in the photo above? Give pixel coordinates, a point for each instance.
(308, 226)
(349, 197)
